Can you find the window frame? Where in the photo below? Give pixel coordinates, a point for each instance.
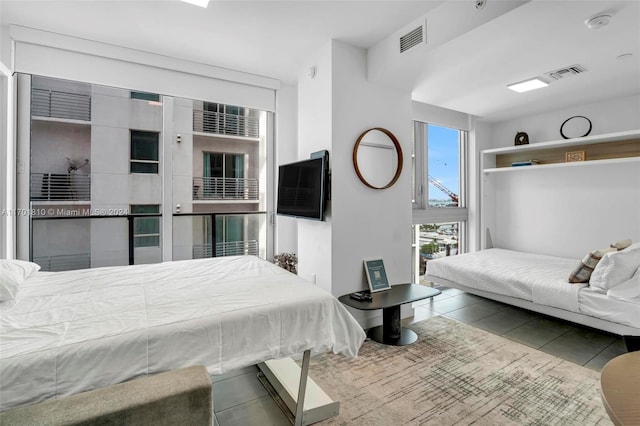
(136, 237)
(133, 161)
(422, 213)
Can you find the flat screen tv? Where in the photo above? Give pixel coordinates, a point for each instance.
(302, 188)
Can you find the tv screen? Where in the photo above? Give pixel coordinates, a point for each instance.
(301, 189)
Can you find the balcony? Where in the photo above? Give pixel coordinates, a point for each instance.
(225, 124)
(63, 262)
(233, 248)
(216, 188)
(60, 187)
(64, 105)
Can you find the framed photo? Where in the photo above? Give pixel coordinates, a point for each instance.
(575, 156)
(376, 275)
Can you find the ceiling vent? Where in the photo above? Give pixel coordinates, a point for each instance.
(566, 72)
(413, 38)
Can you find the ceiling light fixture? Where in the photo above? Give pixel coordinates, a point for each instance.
(201, 3)
(525, 86)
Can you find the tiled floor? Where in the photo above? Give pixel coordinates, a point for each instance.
(240, 398)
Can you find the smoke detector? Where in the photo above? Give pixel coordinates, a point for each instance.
(598, 21)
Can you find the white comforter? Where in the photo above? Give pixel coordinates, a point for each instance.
(74, 331)
(537, 278)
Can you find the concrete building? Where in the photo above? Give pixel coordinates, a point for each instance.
(96, 169)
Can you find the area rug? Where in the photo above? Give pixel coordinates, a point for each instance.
(456, 374)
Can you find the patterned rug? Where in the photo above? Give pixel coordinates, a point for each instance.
(456, 374)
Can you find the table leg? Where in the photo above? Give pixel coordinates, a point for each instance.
(391, 331)
(391, 327)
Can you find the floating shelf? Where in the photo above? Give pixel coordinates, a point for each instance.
(559, 165)
(599, 149)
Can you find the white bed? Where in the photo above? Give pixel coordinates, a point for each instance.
(539, 283)
(68, 332)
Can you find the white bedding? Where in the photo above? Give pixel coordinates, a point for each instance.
(536, 278)
(533, 277)
(72, 331)
(597, 304)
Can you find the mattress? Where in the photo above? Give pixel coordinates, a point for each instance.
(532, 277)
(73, 331)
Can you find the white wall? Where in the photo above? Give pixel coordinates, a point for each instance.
(563, 211)
(286, 237)
(314, 134)
(7, 222)
(612, 115)
(335, 107)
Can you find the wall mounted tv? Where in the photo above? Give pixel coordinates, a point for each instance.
(303, 187)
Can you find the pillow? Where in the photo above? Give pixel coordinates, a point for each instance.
(583, 271)
(627, 290)
(616, 268)
(12, 274)
(621, 245)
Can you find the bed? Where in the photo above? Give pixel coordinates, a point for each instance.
(539, 283)
(68, 332)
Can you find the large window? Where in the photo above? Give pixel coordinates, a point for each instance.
(144, 152)
(439, 184)
(99, 195)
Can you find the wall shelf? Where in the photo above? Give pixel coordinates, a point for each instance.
(598, 149)
(559, 165)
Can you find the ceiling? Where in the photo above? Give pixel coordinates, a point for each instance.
(467, 70)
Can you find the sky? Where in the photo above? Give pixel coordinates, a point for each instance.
(444, 162)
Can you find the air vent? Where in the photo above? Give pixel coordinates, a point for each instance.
(567, 72)
(413, 38)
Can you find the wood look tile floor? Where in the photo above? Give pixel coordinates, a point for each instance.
(241, 400)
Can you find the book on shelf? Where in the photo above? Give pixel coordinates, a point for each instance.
(524, 163)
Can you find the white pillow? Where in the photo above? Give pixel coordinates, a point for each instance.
(12, 274)
(615, 268)
(627, 290)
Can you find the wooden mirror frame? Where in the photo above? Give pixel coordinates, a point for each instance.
(398, 149)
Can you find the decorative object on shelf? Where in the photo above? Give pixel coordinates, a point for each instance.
(522, 138)
(524, 163)
(575, 156)
(288, 261)
(376, 275)
(577, 126)
(382, 150)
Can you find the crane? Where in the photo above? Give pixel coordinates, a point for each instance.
(441, 187)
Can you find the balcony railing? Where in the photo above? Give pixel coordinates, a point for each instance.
(233, 248)
(225, 124)
(216, 188)
(52, 103)
(63, 262)
(60, 187)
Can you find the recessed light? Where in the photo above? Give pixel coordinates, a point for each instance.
(201, 3)
(525, 86)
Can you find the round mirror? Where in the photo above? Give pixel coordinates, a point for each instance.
(377, 158)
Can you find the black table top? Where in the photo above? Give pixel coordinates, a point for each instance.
(397, 295)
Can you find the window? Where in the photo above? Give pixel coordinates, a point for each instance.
(146, 230)
(154, 97)
(144, 152)
(223, 175)
(439, 183)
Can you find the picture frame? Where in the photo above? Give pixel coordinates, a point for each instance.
(575, 156)
(376, 275)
